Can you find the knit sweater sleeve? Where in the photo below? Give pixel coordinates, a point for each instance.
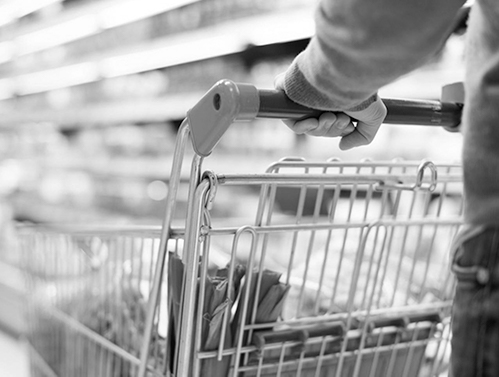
(362, 45)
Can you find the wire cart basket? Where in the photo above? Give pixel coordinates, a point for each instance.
(339, 269)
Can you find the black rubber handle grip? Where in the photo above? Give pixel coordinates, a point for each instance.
(275, 104)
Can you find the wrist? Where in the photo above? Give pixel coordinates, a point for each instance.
(299, 89)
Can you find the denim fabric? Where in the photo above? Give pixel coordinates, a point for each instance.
(475, 323)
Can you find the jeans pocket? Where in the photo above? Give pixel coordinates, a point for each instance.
(467, 325)
(475, 257)
(475, 322)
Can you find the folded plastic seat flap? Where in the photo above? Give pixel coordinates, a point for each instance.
(261, 338)
(402, 320)
(394, 348)
(227, 102)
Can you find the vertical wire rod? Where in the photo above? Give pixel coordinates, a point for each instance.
(165, 235)
(189, 286)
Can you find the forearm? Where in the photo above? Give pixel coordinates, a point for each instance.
(362, 45)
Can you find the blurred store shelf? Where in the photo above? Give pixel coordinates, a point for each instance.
(226, 38)
(83, 21)
(146, 110)
(93, 92)
(74, 91)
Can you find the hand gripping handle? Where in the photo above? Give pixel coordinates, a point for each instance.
(227, 102)
(275, 104)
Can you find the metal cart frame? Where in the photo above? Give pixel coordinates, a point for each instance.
(367, 324)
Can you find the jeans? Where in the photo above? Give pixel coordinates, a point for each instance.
(475, 321)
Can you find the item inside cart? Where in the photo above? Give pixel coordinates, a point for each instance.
(341, 269)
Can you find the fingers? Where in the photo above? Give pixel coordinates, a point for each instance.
(363, 135)
(332, 125)
(303, 126)
(369, 121)
(327, 125)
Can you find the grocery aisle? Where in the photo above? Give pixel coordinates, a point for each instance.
(13, 357)
(93, 94)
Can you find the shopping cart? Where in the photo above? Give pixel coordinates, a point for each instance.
(340, 269)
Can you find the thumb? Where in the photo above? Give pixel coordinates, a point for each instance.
(279, 81)
(368, 122)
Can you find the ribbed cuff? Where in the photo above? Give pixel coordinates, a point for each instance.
(299, 89)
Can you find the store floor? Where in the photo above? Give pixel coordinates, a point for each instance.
(13, 357)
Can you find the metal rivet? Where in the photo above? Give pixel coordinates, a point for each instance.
(482, 276)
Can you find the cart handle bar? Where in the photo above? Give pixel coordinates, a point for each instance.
(227, 102)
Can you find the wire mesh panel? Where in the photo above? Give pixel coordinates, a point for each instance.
(88, 290)
(335, 269)
(343, 271)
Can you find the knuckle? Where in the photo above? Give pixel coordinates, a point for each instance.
(343, 123)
